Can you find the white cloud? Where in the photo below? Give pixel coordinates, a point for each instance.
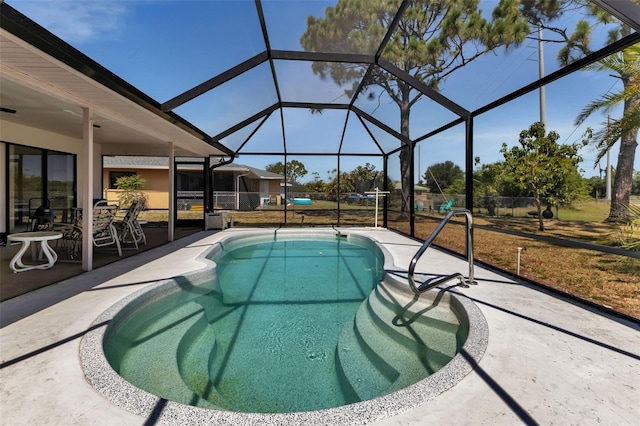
(76, 22)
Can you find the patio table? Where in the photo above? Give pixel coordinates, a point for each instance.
(27, 238)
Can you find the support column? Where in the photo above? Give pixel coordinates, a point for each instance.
(469, 160)
(4, 212)
(87, 189)
(385, 187)
(171, 222)
(412, 198)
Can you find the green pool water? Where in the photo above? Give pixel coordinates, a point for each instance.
(272, 331)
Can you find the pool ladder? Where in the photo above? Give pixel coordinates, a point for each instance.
(469, 246)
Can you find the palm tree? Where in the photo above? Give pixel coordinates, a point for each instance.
(624, 65)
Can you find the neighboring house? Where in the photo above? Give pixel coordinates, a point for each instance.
(423, 199)
(419, 191)
(235, 186)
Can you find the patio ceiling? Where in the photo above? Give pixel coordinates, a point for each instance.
(39, 90)
(261, 96)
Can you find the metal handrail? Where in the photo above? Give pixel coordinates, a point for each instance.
(427, 244)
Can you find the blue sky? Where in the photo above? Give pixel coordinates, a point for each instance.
(165, 47)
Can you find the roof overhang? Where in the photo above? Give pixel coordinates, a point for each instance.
(49, 94)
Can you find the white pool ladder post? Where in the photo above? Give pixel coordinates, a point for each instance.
(427, 244)
(378, 193)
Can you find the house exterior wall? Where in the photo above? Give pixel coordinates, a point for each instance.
(156, 187)
(155, 179)
(156, 200)
(274, 187)
(254, 185)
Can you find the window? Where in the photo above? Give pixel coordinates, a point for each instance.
(223, 181)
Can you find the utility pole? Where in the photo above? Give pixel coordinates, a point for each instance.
(608, 196)
(543, 109)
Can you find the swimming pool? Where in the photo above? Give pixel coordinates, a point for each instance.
(203, 329)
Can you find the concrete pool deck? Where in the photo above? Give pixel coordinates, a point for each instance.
(548, 360)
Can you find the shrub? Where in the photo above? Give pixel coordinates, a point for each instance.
(131, 188)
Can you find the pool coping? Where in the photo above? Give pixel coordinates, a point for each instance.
(112, 386)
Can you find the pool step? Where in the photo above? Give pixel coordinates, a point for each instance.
(389, 346)
(197, 350)
(421, 327)
(411, 361)
(194, 354)
(161, 342)
(419, 345)
(359, 373)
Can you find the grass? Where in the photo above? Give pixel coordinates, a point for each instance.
(584, 211)
(604, 279)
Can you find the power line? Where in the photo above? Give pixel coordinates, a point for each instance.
(577, 126)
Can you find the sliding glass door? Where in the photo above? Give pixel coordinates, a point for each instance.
(61, 187)
(39, 177)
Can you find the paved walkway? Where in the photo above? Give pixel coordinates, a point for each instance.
(548, 360)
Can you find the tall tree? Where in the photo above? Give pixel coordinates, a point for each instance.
(440, 176)
(366, 178)
(624, 65)
(317, 184)
(360, 180)
(433, 39)
(543, 166)
(293, 172)
(339, 184)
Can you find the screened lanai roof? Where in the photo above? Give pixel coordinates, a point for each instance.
(239, 72)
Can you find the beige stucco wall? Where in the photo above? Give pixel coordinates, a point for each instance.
(155, 179)
(156, 187)
(155, 199)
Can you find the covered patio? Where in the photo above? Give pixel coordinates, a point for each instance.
(15, 284)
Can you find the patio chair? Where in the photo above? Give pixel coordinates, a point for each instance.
(104, 231)
(71, 238)
(444, 208)
(129, 229)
